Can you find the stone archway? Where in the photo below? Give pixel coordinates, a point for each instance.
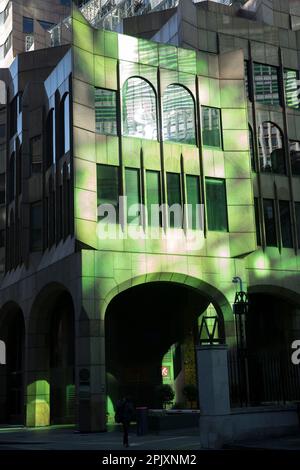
(144, 318)
(50, 374)
(12, 333)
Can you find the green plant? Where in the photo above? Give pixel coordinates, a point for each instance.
(190, 392)
(178, 406)
(164, 394)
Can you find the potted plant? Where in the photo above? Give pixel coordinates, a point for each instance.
(190, 392)
(165, 394)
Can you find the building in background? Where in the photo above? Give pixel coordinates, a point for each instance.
(198, 106)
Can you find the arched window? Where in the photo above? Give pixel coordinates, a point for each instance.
(64, 120)
(178, 115)
(251, 147)
(139, 109)
(50, 139)
(271, 150)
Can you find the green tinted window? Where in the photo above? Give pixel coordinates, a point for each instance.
(193, 201)
(132, 182)
(153, 198)
(106, 111)
(178, 115)
(291, 78)
(107, 188)
(174, 199)
(285, 223)
(297, 209)
(257, 221)
(211, 127)
(216, 205)
(270, 223)
(266, 84)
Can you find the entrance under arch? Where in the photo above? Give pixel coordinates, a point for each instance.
(12, 332)
(151, 330)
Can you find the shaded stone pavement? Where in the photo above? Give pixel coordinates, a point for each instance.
(67, 438)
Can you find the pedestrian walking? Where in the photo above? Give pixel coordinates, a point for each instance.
(124, 414)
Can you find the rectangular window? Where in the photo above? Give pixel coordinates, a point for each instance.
(297, 209)
(7, 45)
(36, 154)
(266, 84)
(211, 127)
(153, 198)
(13, 107)
(246, 72)
(216, 204)
(270, 224)
(2, 188)
(36, 226)
(174, 200)
(28, 25)
(257, 221)
(106, 111)
(285, 224)
(193, 201)
(295, 157)
(2, 131)
(132, 183)
(108, 191)
(291, 78)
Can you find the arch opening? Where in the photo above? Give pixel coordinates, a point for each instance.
(151, 331)
(12, 334)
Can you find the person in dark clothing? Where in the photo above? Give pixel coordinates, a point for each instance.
(125, 414)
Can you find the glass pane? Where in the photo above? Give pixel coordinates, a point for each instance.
(139, 109)
(270, 225)
(107, 187)
(291, 88)
(178, 115)
(257, 221)
(266, 84)
(295, 157)
(67, 123)
(36, 227)
(132, 182)
(297, 209)
(106, 111)
(251, 146)
(216, 205)
(28, 25)
(193, 200)
(36, 154)
(285, 223)
(271, 152)
(153, 198)
(174, 199)
(211, 127)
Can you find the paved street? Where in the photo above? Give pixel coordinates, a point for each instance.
(67, 438)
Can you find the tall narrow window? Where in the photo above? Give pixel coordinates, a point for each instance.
(271, 150)
(285, 224)
(266, 84)
(36, 154)
(11, 178)
(211, 127)
(270, 223)
(174, 200)
(50, 139)
(139, 109)
(36, 226)
(106, 111)
(295, 157)
(297, 210)
(107, 192)
(291, 78)
(178, 115)
(2, 188)
(132, 183)
(257, 221)
(216, 204)
(153, 198)
(65, 130)
(193, 201)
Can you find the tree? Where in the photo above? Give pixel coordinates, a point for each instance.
(165, 394)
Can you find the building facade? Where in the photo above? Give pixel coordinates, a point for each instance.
(113, 125)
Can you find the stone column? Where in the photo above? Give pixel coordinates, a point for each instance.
(213, 389)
